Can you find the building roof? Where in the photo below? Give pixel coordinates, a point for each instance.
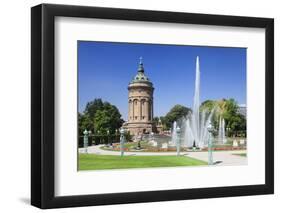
(140, 76)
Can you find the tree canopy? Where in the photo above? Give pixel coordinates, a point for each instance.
(100, 116)
(93, 106)
(177, 112)
(84, 122)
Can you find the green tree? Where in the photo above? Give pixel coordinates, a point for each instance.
(84, 122)
(231, 115)
(175, 114)
(227, 109)
(93, 106)
(237, 124)
(107, 118)
(99, 116)
(208, 105)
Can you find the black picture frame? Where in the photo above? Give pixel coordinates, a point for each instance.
(43, 102)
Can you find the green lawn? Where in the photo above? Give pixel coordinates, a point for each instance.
(241, 154)
(94, 162)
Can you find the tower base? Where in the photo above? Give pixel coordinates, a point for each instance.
(138, 128)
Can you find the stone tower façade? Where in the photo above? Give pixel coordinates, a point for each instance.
(140, 102)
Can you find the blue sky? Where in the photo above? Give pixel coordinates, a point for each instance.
(106, 68)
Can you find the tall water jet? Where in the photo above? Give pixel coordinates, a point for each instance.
(188, 135)
(196, 104)
(196, 123)
(174, 134)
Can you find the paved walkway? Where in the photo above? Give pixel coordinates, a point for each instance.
(219, 157)
(222, 157)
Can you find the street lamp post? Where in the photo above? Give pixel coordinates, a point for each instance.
(108, 142)
(210, 144)
(122, 141)
(85, 140)
(99, 137)
(178, 131)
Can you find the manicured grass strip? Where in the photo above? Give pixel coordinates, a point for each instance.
(241, 154)
(95, 162)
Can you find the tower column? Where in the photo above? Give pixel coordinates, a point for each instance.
(134, 108)
(146, 110)
(151, 117)
(140, 109)
(130, 110)
(143, 109)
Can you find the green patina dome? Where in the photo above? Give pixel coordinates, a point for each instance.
(140, 76)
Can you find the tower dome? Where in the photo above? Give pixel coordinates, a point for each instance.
(140, 76)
